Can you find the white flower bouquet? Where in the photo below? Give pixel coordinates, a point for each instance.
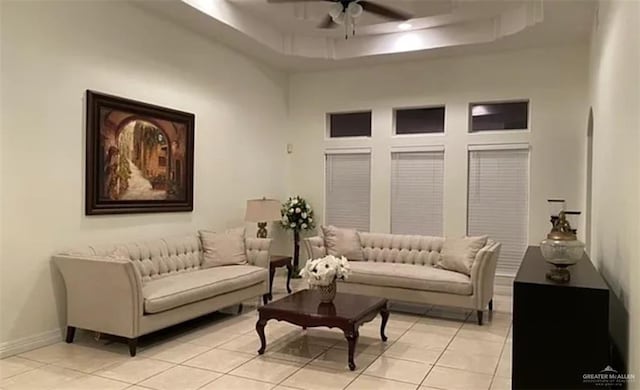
(326, 270)
(297, 214)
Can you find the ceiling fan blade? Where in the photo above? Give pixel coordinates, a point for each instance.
(327, 22)
(384, 11)
(297, 1)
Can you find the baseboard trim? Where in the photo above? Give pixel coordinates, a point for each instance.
(28, 343)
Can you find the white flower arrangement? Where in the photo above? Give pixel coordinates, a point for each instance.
(324, 271)
(297, 214)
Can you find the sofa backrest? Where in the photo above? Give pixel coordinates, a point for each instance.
(399, 248)
(155, 258)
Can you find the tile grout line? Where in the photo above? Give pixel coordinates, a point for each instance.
(84, 374)
(30, 369)
(443, 351)
(362, 372)
(493, 378)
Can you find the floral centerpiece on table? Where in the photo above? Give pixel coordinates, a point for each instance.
(297, 215)
(322, 274)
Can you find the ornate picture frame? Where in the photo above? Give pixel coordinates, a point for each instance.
(139, 157)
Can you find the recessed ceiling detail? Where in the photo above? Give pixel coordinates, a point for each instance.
(288, 36)
(291, 28)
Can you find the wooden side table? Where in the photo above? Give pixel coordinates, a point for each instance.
(275, 262)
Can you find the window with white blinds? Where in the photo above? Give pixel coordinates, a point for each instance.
(498, 202)
(348, 190)
(417, 192)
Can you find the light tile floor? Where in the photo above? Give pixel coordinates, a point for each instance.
(428, 348)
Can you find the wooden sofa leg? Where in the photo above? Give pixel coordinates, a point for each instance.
(71, 333)
(491, 305)
(479, 317)
(240, 308)
(133, 345)
(265, 299)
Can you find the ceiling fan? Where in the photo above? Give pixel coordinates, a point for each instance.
(345, 12)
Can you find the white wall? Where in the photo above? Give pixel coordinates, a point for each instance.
(555, 81)
(615, 98)
(51, 53)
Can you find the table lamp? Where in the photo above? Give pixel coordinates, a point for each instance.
(262, 211)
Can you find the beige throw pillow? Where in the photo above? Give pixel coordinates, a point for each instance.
(458, 254)
(342, 242)
(226, 248)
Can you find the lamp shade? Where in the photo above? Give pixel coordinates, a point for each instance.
(262, 210)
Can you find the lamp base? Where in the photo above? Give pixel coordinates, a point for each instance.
(262, 230)
(559, 275)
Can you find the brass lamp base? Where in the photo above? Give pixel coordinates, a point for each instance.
(262, 230)
(559, 274)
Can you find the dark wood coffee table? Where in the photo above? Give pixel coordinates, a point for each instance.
(347, 312)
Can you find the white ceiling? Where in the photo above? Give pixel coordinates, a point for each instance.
(286, 35)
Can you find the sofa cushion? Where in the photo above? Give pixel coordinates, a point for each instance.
(181, 289)
(342, 242)
(415, 277)
(458, 254)
(226, 248)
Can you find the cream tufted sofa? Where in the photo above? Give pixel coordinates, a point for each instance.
(154, 284)
(401, 267)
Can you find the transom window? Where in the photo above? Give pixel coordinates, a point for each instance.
(426, 120)
(349, 124)
(499, 116)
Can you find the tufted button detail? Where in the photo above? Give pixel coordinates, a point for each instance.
(397, 248)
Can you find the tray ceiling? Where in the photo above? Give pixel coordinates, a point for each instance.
(286, 34)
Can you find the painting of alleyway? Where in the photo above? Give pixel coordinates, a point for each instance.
(143, 158)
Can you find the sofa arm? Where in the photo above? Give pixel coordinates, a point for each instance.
(103, 294)
(315, 247)
(258, 251)
(483, 273)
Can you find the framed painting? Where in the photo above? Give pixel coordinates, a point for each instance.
(139, 157)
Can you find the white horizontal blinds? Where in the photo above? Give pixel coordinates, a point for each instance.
(348, 189)
(499, 202)
(417, 192)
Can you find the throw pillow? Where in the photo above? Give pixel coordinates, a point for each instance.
(342, 242)
(458, 254)
(226, 248)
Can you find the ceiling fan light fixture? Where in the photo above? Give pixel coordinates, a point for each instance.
(355, 9)
(340, 18)
(336, 10)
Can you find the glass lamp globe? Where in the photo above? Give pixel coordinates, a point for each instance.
(562, 253)
(355, 10)
(336, 10)
(340, 18)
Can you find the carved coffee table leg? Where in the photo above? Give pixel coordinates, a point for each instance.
(384, 312)
(260, 329)
(352, 339)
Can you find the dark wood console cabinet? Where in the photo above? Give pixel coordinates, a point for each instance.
(560, 331)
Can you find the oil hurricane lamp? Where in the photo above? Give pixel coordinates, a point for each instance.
(561, 248)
